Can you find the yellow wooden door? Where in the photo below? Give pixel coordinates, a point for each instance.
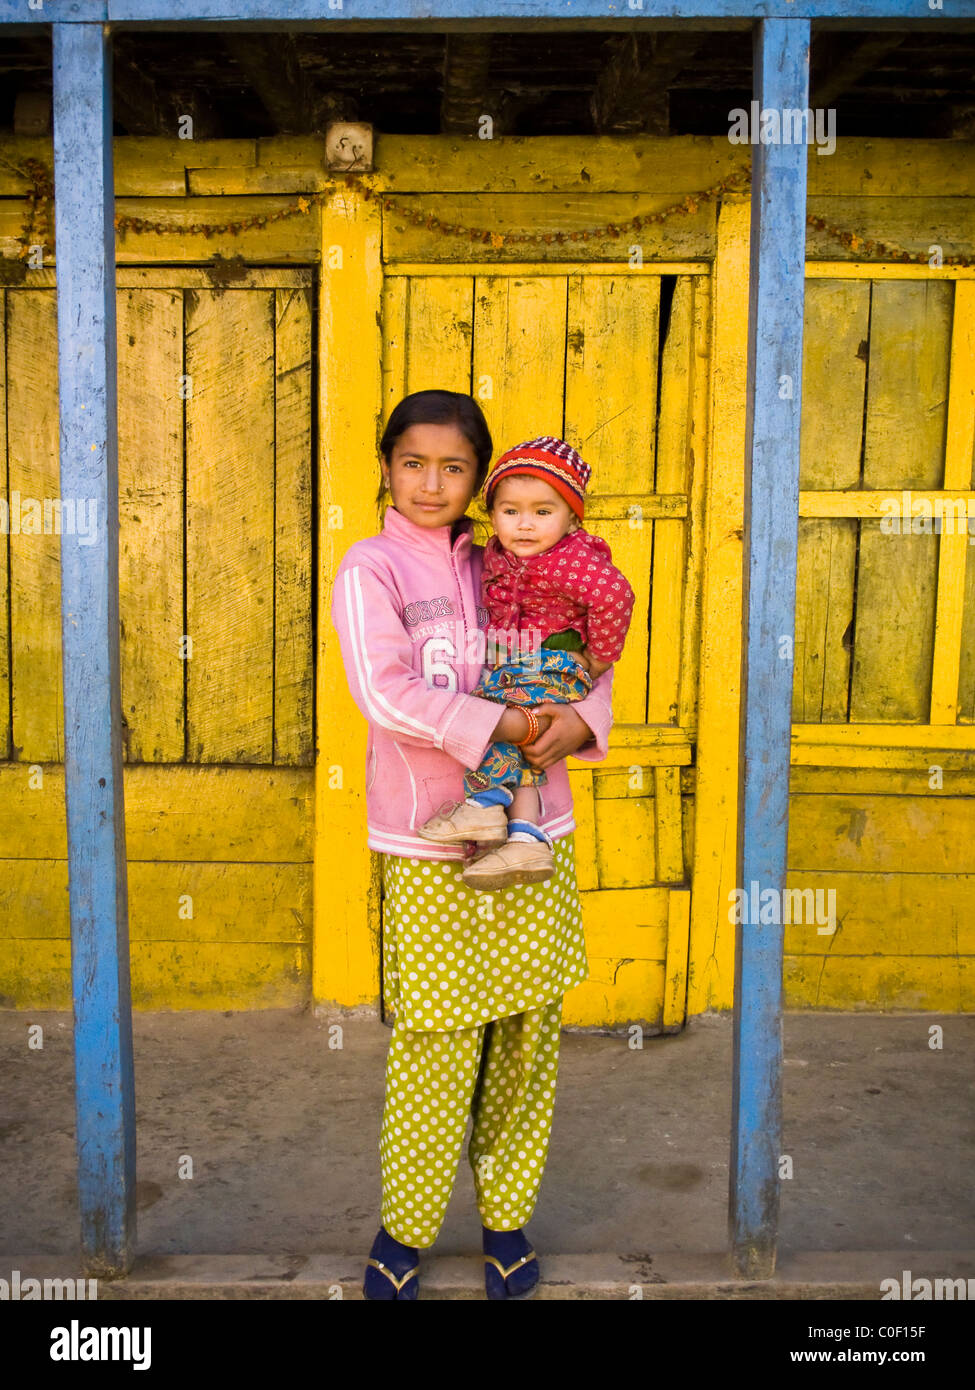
(215, 590)
(613, 359)
(884, 681)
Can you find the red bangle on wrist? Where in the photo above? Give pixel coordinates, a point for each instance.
(532, 734)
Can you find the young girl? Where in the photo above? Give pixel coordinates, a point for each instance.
(475, 982)
(547, 579)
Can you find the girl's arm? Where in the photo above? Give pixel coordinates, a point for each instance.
(378, 657)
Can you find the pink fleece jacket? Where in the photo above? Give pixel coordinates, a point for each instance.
(406, 606)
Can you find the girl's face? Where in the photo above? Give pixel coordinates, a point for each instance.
(431, 474)
(529, 516)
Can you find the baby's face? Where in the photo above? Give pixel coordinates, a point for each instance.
(529, 516)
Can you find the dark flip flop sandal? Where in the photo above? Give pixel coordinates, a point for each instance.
(496, 1291)
(398, 1284)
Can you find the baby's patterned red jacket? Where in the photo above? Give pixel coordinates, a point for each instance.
(575, 584)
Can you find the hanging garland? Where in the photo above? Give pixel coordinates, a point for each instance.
(37, 229)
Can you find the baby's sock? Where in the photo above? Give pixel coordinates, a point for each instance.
(526, 831)
(492, 796)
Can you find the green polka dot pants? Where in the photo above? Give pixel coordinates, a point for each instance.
(502, 1074)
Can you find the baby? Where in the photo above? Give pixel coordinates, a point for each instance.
(547, 580)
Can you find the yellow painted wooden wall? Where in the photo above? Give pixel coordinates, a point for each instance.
(235, 497)
(215, 565)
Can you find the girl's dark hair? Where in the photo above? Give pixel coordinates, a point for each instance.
(440, 408)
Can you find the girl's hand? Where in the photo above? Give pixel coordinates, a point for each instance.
(513, 724)
(564, 732)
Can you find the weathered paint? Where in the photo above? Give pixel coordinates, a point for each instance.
(698, 477)
(770, 529)
(104, 1077)
(605, 14)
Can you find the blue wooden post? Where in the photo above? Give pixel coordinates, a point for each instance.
(778, 243)
(85, 274)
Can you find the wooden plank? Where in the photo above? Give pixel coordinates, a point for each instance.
(913, 224)
(150, 365)
(904, 448)
(35, 566)
(836, 328)
(907, 393)
(568, 164)
(296, 238)
(889, 737)
(440, 329)
(966, 665)
(346, 950)
(776, 285)
(949, 628)
(616, 270)
(177, 813)
(294, 741)
(885, 270)
(88, 421)
(168, 975)
(230, 903)
(178, 277)
(675, 991)
(882, 834)
(680, 164)
(587, 871)
(230, 525)
(612, 329)
(642, 745)
(957, 780)
(711, 960)
(5, 692)
(698, 403)
(924, 508)
(896, 914)
(921, 760)
(668, 835)
(617, 994)
(688, 237)
(872, 983)
(395, 318)
(519, 355)
(670, 538)
(647, 506)
(627, 922)
(894, 634)
(625, 843)
(160, 166)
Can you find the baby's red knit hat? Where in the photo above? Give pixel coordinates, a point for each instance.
(550, 459)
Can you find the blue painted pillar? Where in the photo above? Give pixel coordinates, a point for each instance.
(778, 240)
(85, 275)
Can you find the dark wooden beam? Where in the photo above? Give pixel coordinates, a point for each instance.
(843, 69)
(467, 91)
(144, 107)
(269, 62)
(632, 92)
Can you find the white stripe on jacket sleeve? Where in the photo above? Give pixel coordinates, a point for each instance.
(380, 709)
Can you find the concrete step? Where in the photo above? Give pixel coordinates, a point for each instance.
(856, 1275)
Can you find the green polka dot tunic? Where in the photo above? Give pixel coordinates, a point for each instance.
(454, 957)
